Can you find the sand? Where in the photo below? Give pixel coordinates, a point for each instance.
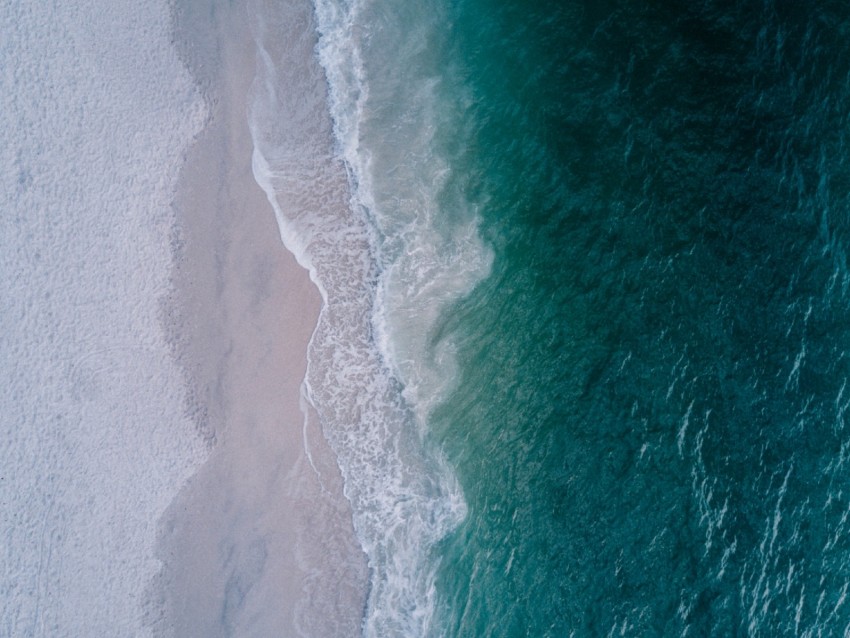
(260, 541)
(96, 111)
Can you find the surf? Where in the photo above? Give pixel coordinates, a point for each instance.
(371, 230)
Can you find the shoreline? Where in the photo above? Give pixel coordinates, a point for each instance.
(241, 542)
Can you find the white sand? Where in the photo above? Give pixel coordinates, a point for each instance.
(96, 113)
(100, 426)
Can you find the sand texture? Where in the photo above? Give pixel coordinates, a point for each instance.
(239, 544)
(96, 114)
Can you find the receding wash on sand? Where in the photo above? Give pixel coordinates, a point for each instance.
(430, 319)
(259, 541)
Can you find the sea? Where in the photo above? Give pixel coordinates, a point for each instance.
(583, 357)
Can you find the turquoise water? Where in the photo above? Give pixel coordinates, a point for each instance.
(608, 298)
(650, 427)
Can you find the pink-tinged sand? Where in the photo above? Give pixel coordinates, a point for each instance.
(260, 541)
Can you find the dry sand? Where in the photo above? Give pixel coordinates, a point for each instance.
(260, 541)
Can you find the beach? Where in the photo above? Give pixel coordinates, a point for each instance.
(390, 319)
(161, 476)
(259, 541)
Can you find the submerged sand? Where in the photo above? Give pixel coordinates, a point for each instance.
(260, 541)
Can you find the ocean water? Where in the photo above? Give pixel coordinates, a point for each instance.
(583, 355)
(650, 424)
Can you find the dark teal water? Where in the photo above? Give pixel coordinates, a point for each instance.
(597, 277)
(649, 426)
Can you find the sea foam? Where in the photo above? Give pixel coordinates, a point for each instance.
(386, 274)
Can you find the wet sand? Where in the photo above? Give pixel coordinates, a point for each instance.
(259, 542)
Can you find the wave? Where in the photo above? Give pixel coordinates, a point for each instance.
(388, 262)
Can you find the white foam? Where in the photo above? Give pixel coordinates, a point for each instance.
(426, 259)
(404, 498)
(96, 114)
(428, 248)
